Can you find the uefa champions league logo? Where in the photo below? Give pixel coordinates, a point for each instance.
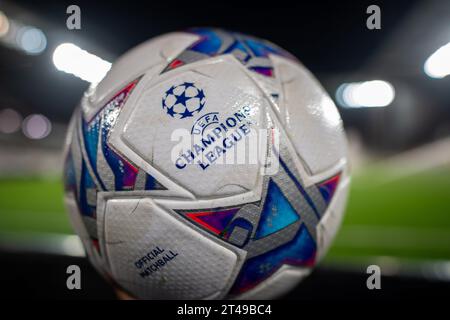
(183, 100)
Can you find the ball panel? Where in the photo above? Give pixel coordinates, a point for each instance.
(169, 100)
(76, 220)
(192, 104)
(179, 90)
(191, 91)
(153, 53)
(156, 256)
(332, 219)
(193, 164)
(319, 140)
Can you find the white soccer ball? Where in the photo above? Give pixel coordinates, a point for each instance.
(207, 164)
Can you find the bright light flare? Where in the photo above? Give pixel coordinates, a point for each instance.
(4, 24)
(26, 38)
(31, 40)
(36, 126)
(72, 59)
(367, 94)
(438, 64)
(10, 121)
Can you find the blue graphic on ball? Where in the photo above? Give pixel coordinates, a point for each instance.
(183, 100)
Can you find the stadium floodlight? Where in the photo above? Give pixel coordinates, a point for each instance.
(438, 64)
(366, 94)
(70, 58)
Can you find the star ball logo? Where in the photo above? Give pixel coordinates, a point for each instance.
(183, 100)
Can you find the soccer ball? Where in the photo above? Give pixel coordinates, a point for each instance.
(206, 165)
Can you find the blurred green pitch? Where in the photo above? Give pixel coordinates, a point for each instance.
(407, 217)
